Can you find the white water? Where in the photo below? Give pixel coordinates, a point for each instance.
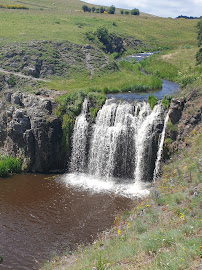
(126, 142)
(79, 141)
(160, 150)
(93, 184)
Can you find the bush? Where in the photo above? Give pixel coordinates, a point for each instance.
(127, 12)
(111, 10)
(9, 165)
(102, 10)
(85, 8)
(152, 100)
(121, 11)
(135, 11)
(166, 102)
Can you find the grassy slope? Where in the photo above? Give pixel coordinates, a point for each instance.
(46, 21)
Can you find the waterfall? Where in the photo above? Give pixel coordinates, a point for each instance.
(79, 141)
(160, 150)
(123, 142)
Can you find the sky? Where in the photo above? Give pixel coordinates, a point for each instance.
(162, 8)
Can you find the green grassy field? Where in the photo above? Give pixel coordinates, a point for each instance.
(64, 20)
(45, 21)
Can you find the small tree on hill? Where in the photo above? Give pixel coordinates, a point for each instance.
(103, 35)
(121, 11)
(93, 9)
(102, 10)
(85, 8)
(111, 10)
(135, 11)
(127, 12)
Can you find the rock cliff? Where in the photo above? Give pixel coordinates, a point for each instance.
(31, 131)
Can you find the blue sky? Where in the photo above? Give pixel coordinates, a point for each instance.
(162, 8)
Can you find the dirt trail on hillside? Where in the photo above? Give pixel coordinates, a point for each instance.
(22, 75)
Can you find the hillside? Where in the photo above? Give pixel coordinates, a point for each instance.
(64, 20)
(51, 59)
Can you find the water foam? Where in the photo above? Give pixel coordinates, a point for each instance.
(113, 186)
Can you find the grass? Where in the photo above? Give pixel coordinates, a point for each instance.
(9, 165)
(176, 65)
(127, 78)
(161, 231)
(45, 21)
(64, 20)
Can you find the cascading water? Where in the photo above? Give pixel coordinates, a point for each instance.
(160, 150)
(124, 141)
(79, 142)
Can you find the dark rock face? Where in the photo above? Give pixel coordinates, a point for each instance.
(176, 108)
(30, 131)
(185, 115)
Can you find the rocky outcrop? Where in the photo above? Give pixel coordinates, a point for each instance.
(31, 131)
(185, 115)
(41, 59)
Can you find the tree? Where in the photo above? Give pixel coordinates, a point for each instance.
(127, 12)
(102, 10)
(93, 9)
(121, 11)
(103, 35)
(135, 11)
(89, 9)
(111, 10)
(85, 8)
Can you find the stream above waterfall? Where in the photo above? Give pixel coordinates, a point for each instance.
(168, 87)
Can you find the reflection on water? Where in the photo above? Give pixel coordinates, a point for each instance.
(168, 88)
(41, 216)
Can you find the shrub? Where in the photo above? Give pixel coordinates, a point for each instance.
(121, 11)
(85, 8)
(166, 102)
(135, 11)
(127, 12)
(102, 10)
(111, 10)
(152, 100)
(9, 165)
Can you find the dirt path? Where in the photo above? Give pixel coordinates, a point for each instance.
(22, 75)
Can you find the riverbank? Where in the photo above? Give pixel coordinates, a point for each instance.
(162, 231)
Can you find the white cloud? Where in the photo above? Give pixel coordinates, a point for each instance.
(163, 8)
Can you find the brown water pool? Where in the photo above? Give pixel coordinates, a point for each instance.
(41, 216)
